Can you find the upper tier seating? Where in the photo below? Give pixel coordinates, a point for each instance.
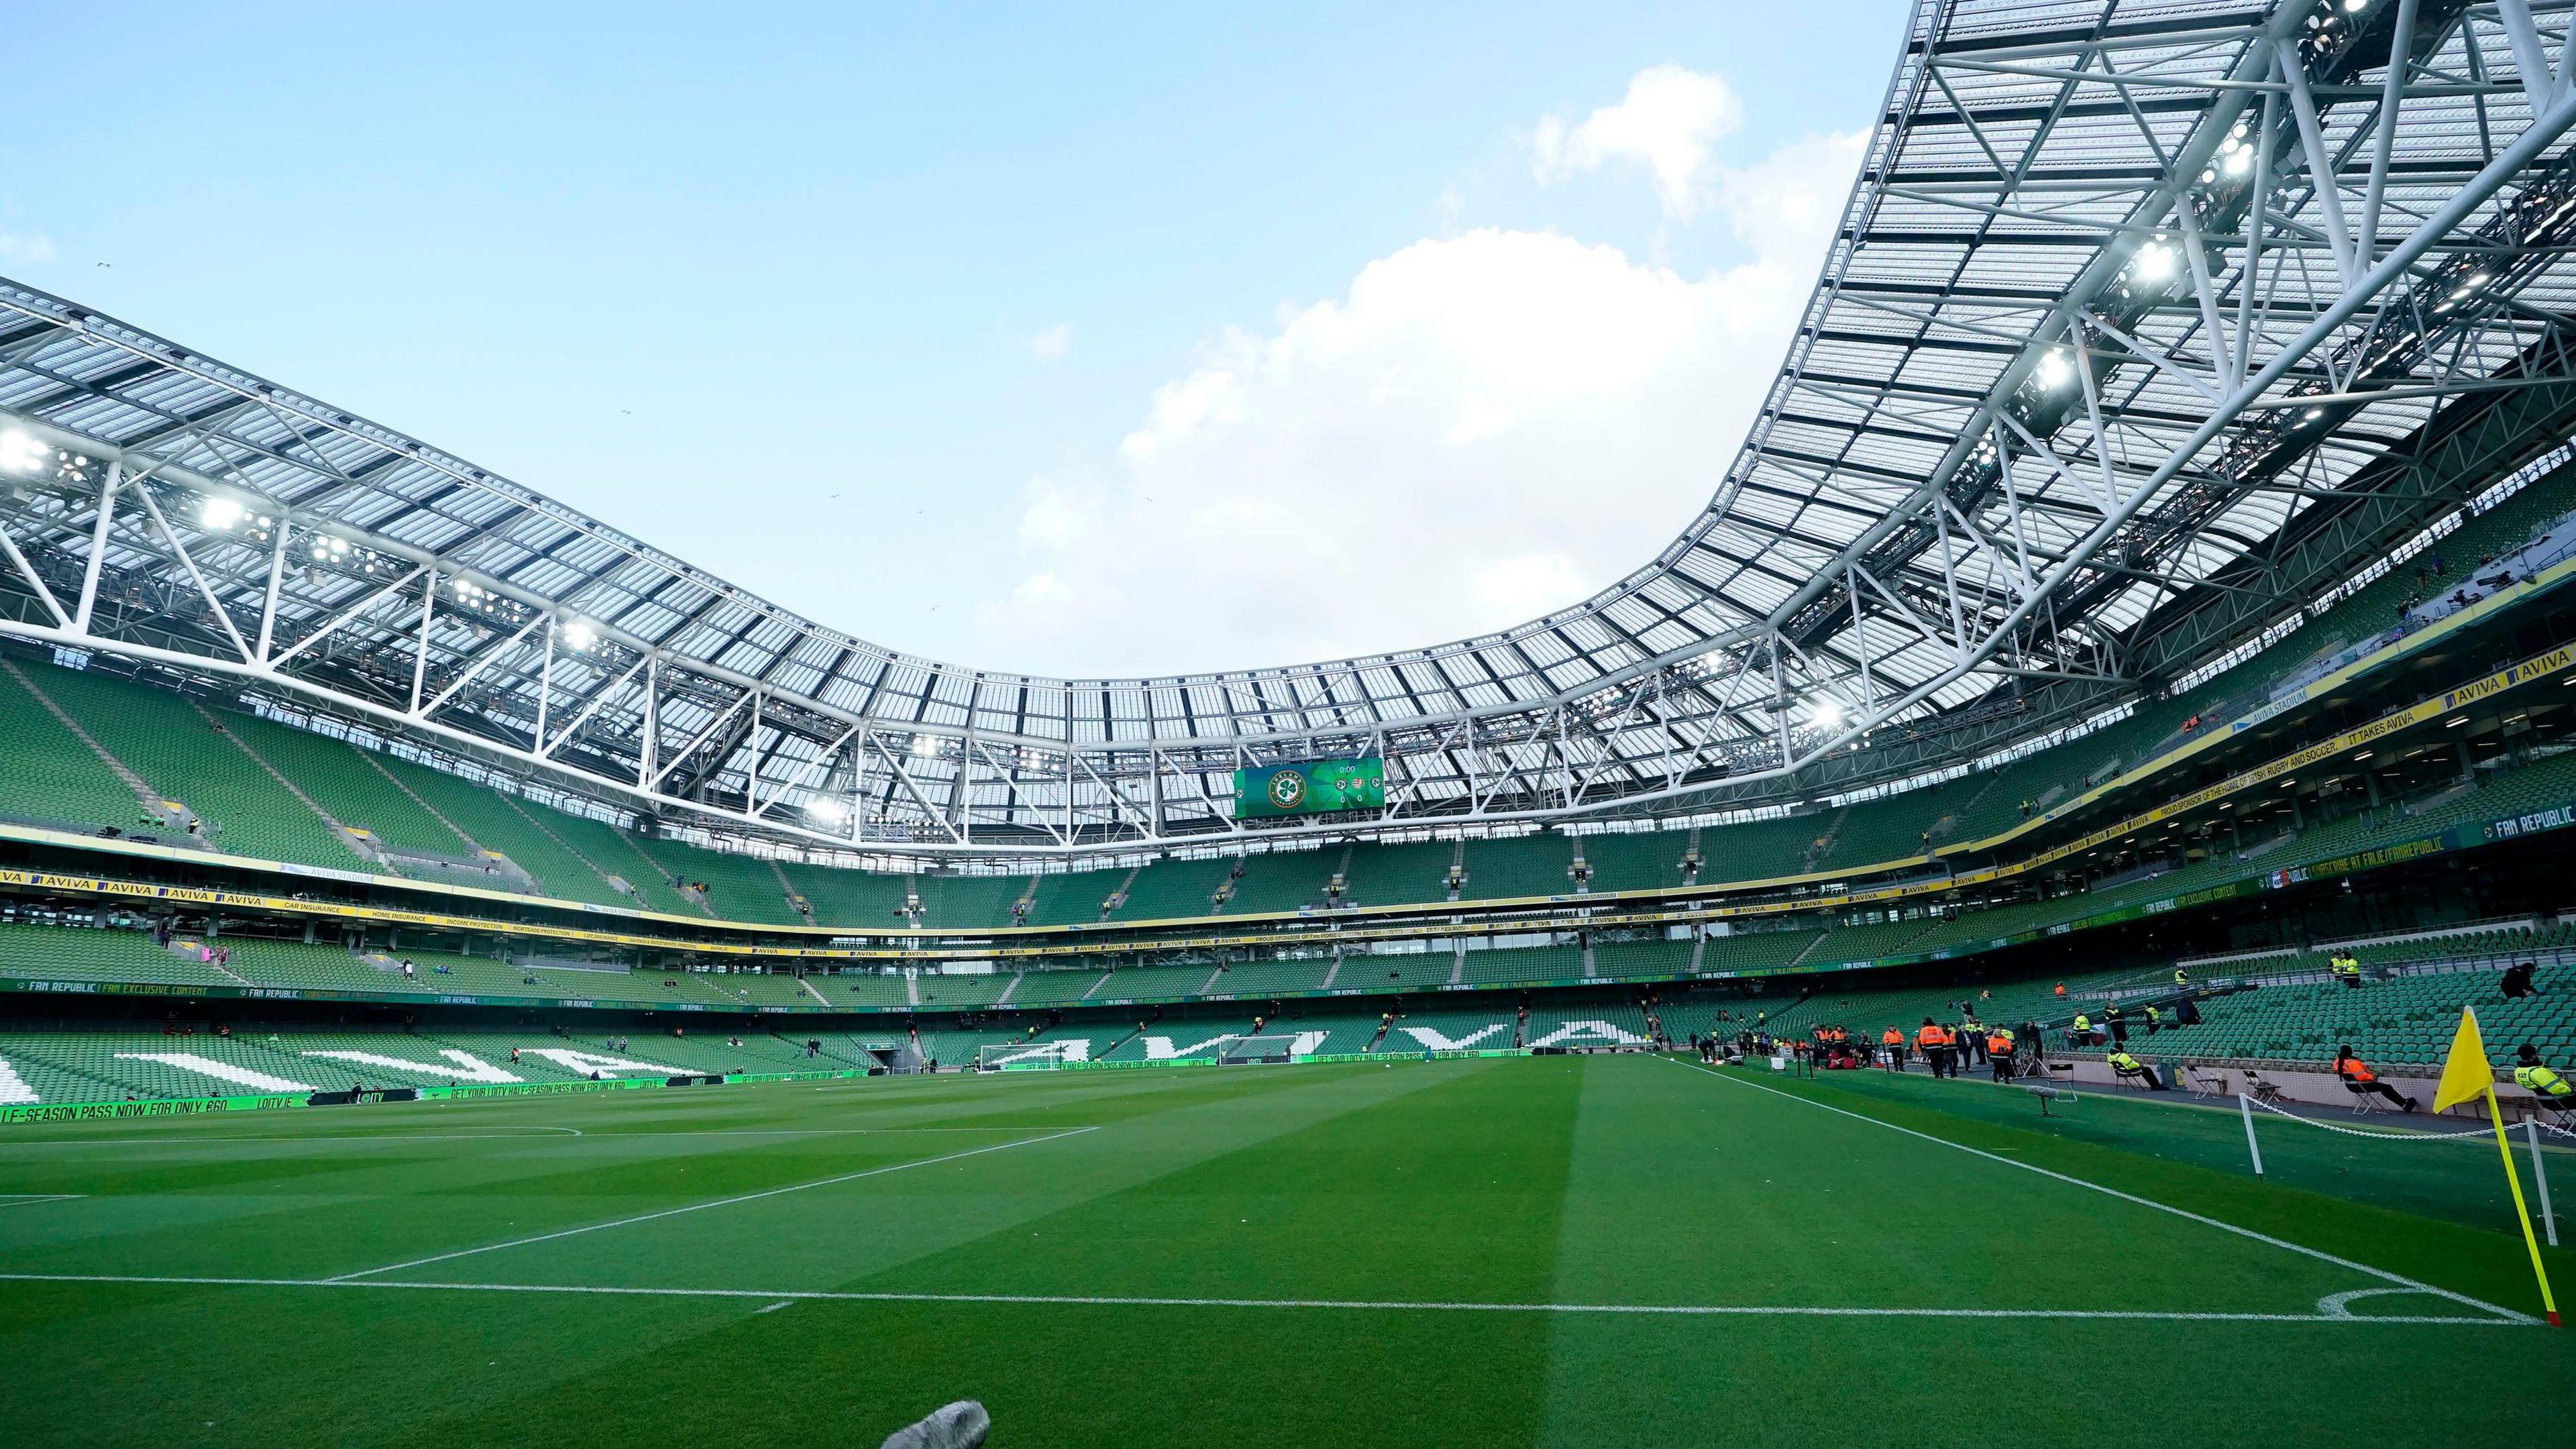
(518, 829)
(1174, 889)
(340, 778)
(48, 773)
(198, 761)
(735, 887)
(1529, 865)
(1289, 881)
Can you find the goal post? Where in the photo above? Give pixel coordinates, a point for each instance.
(1245, 1050)
(1033, 1056)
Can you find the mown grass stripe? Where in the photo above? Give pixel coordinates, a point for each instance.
(715, 1203)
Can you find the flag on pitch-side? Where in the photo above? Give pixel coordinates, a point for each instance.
(2466, 1075)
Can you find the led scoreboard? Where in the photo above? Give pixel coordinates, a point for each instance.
(1309, 787)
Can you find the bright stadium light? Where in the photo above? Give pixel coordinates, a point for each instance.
(2155, 261)
(830, 812)
(1827, 714)
(579, 635)
(219, 512)
(21, 453)
(925, 746)
(2054, 369)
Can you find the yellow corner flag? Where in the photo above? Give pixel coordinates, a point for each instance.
(2466, 1077)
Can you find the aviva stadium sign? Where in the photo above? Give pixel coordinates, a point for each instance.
(1309, 787)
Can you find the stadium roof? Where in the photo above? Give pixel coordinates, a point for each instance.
(2093, 349)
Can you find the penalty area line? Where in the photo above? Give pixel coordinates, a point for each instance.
(2401, 1281)
(776, 1298)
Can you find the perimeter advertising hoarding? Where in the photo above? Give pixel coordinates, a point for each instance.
(1309, 787)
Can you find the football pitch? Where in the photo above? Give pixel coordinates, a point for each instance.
(1558, 1251)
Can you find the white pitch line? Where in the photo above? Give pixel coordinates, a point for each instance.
(1364, 1305)
(2320, 1255)
(30, 1199)
(716, 1203)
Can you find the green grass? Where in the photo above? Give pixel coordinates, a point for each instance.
(1334, 1225)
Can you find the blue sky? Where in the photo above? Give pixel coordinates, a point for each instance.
(1132, 341)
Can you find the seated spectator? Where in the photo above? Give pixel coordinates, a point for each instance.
(2127, 1066)
(2517, 981)
(2547, 1088)
(2358, 1079)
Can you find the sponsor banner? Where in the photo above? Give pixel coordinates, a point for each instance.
(2514, 827)
(2393, 854)
(166, 1107)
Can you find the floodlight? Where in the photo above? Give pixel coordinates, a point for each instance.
(219, 512)
(2053, 368)
(1828, 713)
(2155, 262)
(579, 635)
(830, 812)
(924, 746)
(21, 453)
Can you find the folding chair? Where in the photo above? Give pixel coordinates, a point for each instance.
(2262, 1090)
(2203, 1082)
(2128, 1081)
(2364, 1100)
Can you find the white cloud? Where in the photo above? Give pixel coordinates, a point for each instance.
(1788, 203)
(1485, 428)
(1670, 121)
(1052, 343)
(25, 246)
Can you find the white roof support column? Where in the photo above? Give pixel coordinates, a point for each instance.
(98, 545)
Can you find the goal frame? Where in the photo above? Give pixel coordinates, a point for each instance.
(1274, 1049)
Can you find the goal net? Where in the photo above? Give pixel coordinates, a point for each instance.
(1025, 1056)
(1245, 1049)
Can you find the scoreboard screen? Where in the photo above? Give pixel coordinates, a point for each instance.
(1309, 787)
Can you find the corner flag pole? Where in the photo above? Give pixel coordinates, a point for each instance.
(2468, 1075)
(2521, 1213)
